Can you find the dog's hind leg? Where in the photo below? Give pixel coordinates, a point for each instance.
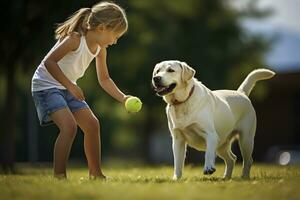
(229, 158)
(246, 143)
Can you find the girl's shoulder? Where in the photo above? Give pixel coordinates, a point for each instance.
(74, 37)
(72, 40)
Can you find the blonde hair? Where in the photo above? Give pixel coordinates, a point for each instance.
(109, 15)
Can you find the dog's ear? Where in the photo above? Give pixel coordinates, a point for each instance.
(187, 72)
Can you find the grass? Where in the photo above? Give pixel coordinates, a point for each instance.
(267, 182)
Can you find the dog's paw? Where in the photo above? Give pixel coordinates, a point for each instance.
(176, 178)
(245, 177)
(226, 178)
(209, 170)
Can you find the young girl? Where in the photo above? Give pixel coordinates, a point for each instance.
(81, 38)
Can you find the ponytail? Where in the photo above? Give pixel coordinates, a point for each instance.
(75, 23)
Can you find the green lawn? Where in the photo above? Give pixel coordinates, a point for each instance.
(267, 182)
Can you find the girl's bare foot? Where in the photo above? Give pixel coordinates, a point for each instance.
(60, 176)
(98, 177)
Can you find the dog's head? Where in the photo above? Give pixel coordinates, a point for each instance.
(169, 76)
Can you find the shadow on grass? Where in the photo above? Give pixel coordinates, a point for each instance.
(25, 169)
(140, 179)
(193, 179)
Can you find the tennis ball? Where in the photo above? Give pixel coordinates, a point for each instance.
(133, 104)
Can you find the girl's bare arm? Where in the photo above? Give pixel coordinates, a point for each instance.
(104, 79)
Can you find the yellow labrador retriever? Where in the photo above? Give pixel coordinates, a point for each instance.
(207, 120)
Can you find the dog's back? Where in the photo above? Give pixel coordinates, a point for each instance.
(238, 102)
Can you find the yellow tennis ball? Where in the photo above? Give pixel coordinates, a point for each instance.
(133, 104)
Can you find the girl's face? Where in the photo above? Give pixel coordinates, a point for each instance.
(108, 37)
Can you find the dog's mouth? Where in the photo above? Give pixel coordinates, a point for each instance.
(163, 90)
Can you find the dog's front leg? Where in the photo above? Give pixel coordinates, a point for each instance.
(210, 154)
(179, 149)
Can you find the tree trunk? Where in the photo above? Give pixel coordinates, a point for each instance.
(8, 139)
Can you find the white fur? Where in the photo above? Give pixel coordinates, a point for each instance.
(209, 120)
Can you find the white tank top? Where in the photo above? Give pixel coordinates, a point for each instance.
(73, 65)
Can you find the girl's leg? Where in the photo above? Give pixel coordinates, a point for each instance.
(89, 124)
(66, 123)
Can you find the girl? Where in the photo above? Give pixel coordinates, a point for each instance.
(81, 38)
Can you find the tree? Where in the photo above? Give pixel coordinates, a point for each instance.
(24, 19)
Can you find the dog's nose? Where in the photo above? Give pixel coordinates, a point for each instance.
(157, 79)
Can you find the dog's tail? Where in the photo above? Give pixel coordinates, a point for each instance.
(256, 75)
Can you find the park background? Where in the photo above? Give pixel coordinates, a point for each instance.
(222, 40)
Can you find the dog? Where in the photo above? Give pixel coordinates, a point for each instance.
(207, 120)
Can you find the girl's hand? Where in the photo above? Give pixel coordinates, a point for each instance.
(76, 91)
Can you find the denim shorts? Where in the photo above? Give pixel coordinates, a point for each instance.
(53, 99)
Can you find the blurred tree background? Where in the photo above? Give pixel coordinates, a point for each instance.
(205, 34)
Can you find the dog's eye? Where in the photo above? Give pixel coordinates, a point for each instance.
(170, 70)
(157, 71)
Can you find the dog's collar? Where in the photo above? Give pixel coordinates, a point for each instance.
(176, 102)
